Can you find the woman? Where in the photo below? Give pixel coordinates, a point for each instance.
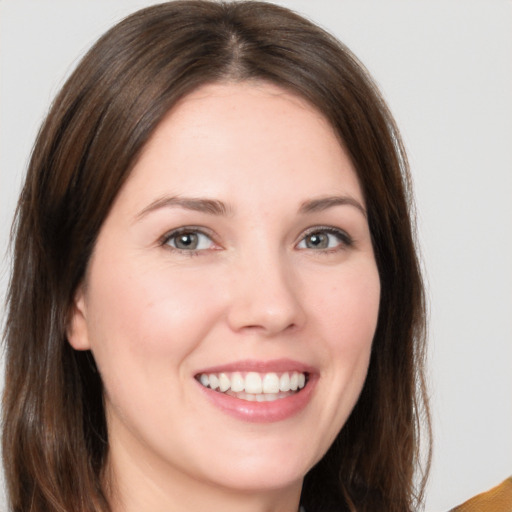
(212, 247)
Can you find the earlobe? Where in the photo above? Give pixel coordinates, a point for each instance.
(77, 331)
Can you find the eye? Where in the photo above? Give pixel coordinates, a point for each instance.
(188, 239)
(325, 239)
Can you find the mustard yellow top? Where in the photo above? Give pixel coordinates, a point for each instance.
(498, 499)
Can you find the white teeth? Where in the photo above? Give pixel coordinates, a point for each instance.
(254, 384)
(294, 381)
(224, 382)
(284, 382)
(214, 381)
(271, 383)
(237, 382)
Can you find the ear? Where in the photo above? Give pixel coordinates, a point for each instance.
(77, 331)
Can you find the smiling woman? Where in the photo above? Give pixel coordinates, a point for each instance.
(212, 245)
(266, 313)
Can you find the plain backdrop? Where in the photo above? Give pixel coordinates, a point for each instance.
(445, 68)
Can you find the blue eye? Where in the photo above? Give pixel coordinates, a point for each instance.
(325, 239)
(188, 240)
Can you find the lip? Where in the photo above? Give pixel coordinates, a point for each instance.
(262, 412)
(250, 365)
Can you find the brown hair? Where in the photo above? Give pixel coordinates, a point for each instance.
(55, 438)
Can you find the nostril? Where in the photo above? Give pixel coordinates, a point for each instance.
(264, 299)
(268, 328)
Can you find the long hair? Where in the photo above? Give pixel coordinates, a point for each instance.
(55, 438)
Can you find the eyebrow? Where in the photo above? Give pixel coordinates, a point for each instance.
(216, 207)
(323, 203)
(210, 206)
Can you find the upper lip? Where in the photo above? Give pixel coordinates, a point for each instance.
(253, 365)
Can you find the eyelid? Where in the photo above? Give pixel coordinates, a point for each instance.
(164, 239)
(344, 238)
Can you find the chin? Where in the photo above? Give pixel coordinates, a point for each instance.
(255, 472)
(265, 480)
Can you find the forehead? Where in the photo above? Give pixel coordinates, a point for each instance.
(237, 97)
(223, 136)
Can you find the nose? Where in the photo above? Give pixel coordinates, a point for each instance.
(265, 297)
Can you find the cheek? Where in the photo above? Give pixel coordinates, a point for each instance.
(348, 311)
(347, 319)
(346, 306)
(151, 313)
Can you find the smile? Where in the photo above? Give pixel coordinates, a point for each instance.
(255, 386)
(259, 391)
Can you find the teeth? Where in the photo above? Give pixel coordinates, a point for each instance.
(284, 382)
(262, 397)
(224, 382)
(254, 386)
(237, 382)
(271, 383)
(214, 381)
(253, 383)
(294, 381)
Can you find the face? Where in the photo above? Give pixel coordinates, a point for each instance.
(238, 257)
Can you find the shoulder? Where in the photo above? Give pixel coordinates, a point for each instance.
(498, 499)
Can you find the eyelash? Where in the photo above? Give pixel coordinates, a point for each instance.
(345, 240)
(186, 230)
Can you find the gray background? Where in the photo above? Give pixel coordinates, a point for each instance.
(445, 68)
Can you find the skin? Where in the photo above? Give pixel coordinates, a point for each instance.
(256, 289)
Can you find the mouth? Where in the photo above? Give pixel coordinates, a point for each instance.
(255, 386)
(259, 391)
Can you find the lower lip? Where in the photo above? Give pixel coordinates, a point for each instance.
(262, 412)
